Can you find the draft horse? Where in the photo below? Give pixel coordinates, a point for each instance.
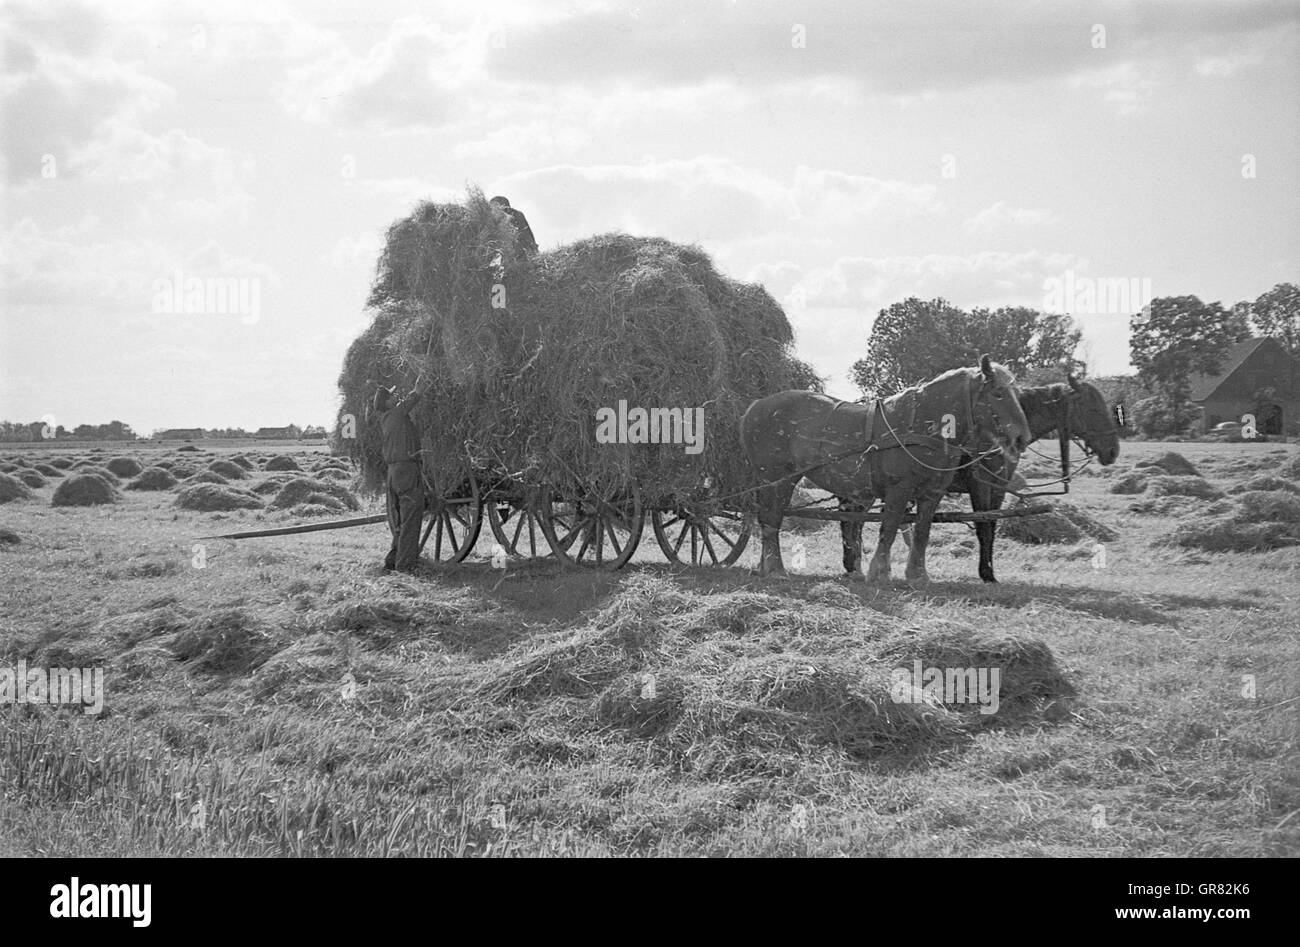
(902, 449)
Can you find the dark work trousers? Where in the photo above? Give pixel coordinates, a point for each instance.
(405, 514)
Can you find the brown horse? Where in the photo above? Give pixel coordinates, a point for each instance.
(904, 449)
(1074, 410)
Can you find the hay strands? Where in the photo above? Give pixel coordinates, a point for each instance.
(305, 528)
(849, 516)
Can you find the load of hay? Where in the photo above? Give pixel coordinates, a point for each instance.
(519, 353)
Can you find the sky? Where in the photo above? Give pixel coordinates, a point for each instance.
(846, 155)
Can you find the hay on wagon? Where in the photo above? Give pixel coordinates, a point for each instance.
(519, 353)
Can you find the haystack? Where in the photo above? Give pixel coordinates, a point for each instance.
(1263, 482)
(242, 461)
(519, 353)
(8, 537)
(1130, 483)
(227, 469)
(62, 463)
(282, 462)
(1183, 486)
(152, 478)
(303, 490)
(205, 476)
(1176, 465)
(48, 470)
(11, 488)
(33, 478)
(124, 467)
(106, 475)
(85, 489)
(212, 497)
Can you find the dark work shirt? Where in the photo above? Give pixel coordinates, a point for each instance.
(401, 439)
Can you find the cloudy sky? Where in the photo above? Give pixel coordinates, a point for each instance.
(845, 154)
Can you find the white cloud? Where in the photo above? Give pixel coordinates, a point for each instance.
(1001, 215)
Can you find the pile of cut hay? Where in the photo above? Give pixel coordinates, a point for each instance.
(735, 681)
(107, 476)
(213, 498)
(1176, 465)
(48, 470)
(1130, 483)
(8, 537)
(62, 463)
(32, 478)
(124, 467)
(1258, 521)
(205, 476)
(282, 462)
(519, 353)
(1065, 523)
(242, 461)
(85, 489)
(153, 478)
(11, 488)
(227, 469)
(1183, 486)
(304, 490)
(1264, 482)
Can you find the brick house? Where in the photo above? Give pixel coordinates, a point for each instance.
(1249, 369)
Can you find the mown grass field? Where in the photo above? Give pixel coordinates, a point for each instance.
(290, 698)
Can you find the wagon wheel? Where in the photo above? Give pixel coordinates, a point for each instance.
(594, 530)
(517, 527)
(696, 534)
(454, 522)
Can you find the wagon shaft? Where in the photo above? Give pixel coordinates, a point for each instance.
(848, 516)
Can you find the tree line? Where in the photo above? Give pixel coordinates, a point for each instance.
(13, 431)
(1170, 340)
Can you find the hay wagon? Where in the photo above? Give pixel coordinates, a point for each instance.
(580, 526)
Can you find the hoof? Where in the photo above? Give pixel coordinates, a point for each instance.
(918, 582)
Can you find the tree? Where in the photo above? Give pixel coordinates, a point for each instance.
(1277, 313)
(1181, 335)
(914, 340)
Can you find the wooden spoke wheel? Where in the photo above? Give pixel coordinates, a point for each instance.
(454, 523)
(694, 534)
(594, 531)
(517, 527)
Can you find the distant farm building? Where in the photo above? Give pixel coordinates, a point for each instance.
(1257, 376)
(180, 434)
(278, 433)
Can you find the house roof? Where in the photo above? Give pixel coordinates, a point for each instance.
(1203, 386)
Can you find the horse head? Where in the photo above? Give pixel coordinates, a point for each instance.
(995, 408)
(1090, 419)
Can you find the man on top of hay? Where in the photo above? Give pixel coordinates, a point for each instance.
(405, 479)
(527, 242)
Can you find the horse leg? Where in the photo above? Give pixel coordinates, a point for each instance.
(987, 532)
(773, 500)
(891, 518)
(851, 534)
(925, 507)
(979, 503)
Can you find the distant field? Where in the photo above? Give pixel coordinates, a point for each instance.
(126, 447)
(289, 697)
